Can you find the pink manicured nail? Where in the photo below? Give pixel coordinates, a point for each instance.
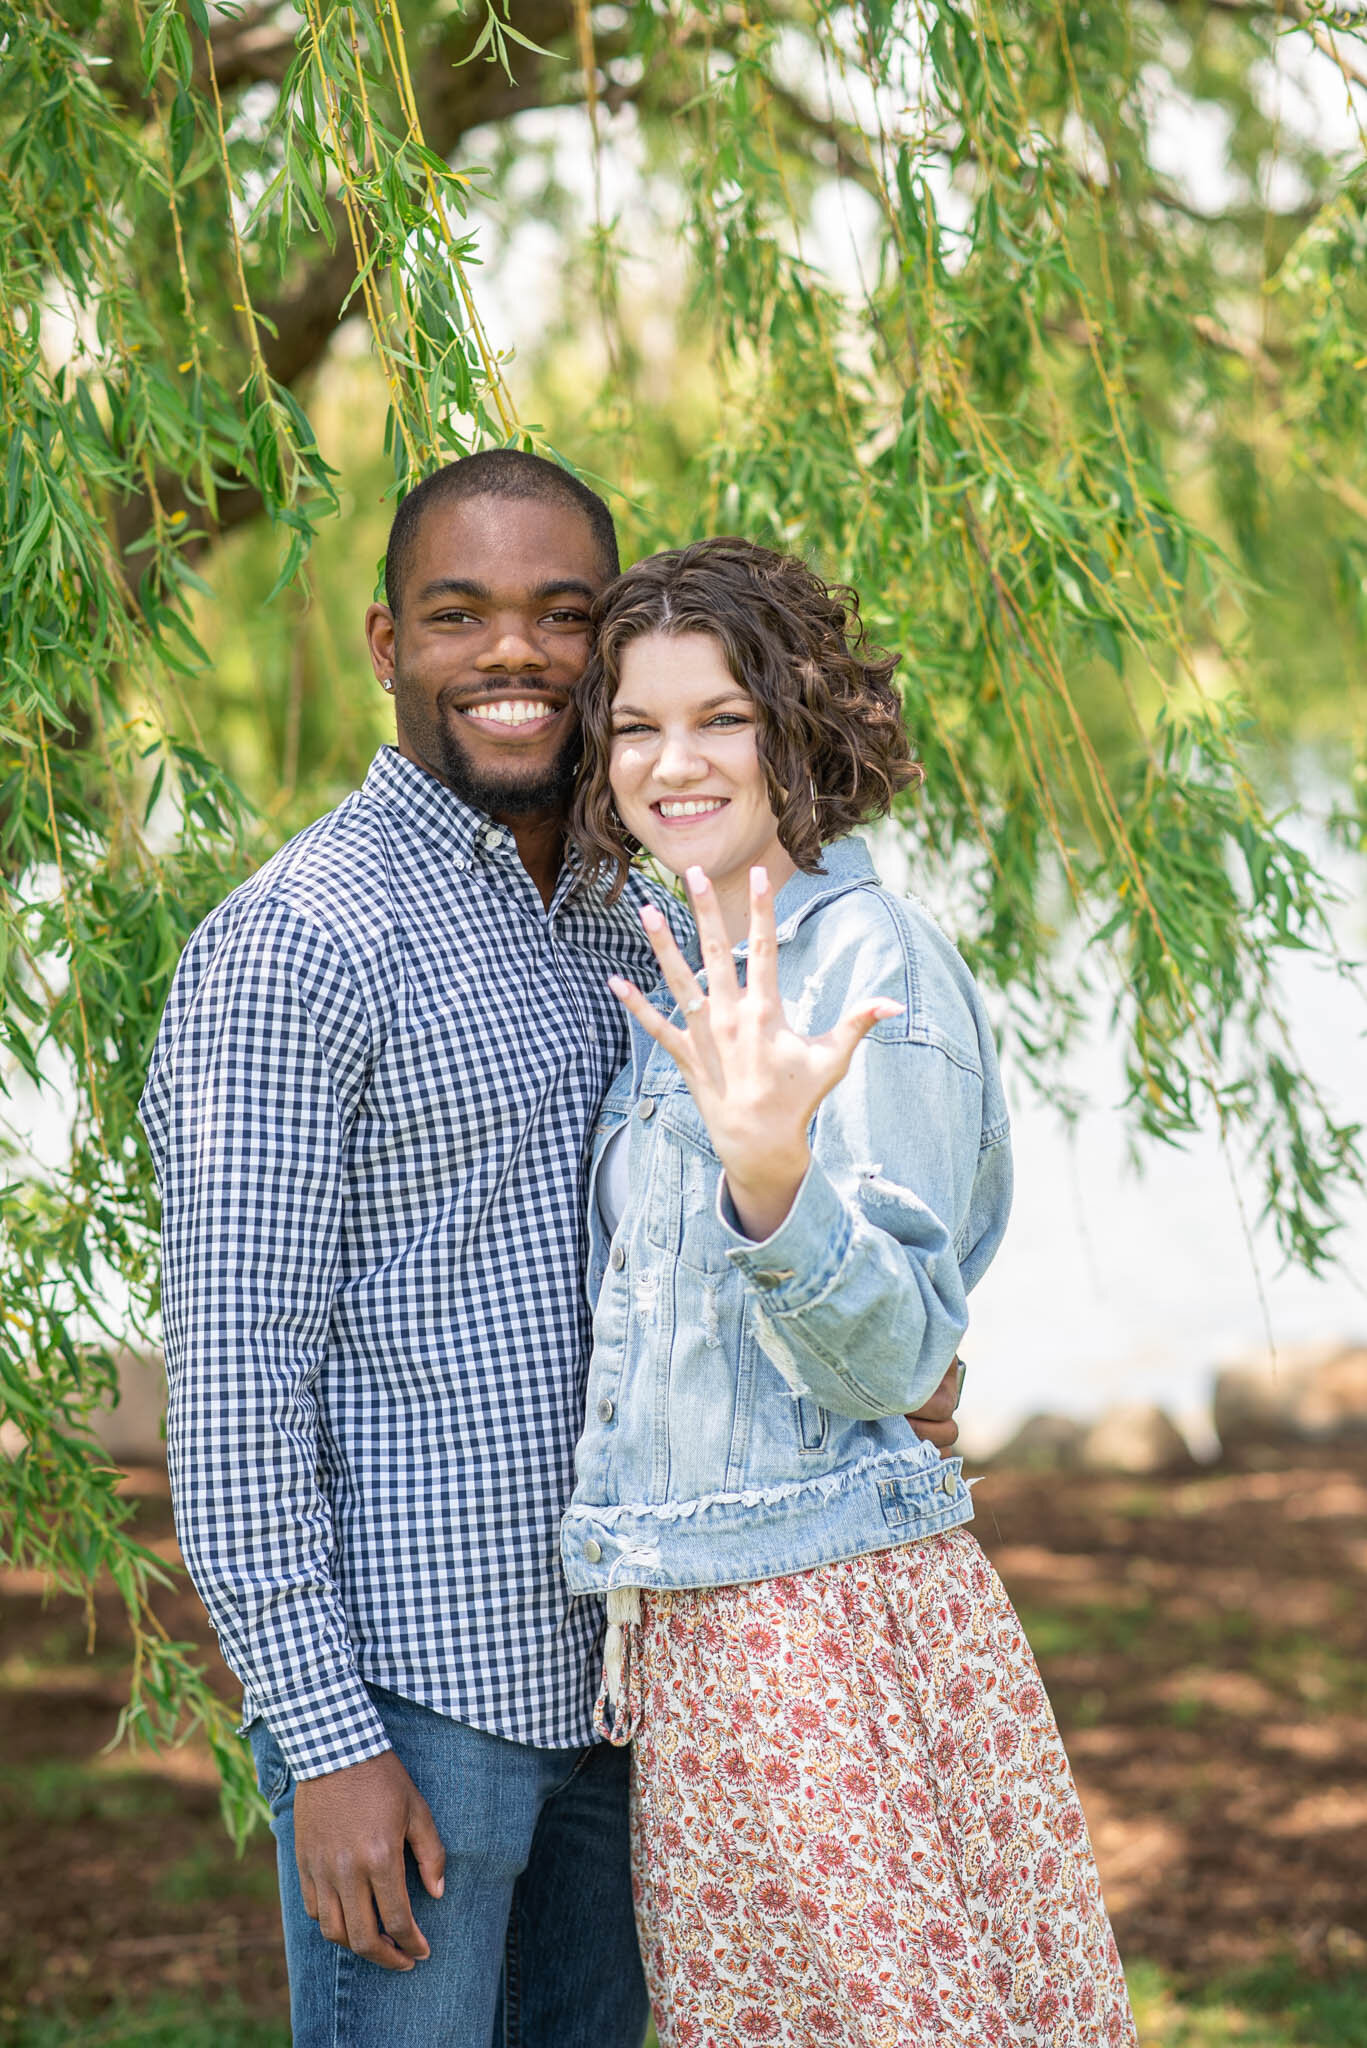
(651, 918)
(759, 881)
(618, 986)
(696, 879)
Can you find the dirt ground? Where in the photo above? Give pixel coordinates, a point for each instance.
(1204, 1641)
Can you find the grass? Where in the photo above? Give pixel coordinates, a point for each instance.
(166, 2023)
(57, 1790)
(1276, 2008)
(128, 1922)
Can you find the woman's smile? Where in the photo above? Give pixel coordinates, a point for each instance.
(683, 810)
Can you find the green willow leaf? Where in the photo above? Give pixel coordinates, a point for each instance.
(1031, 424)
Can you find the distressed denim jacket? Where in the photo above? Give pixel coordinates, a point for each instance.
(746, 1400)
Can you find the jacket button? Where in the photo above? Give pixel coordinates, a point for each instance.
(592, 1551)
(619, 1257)
(647, 1109)
(949, 1484)
(606, 1411)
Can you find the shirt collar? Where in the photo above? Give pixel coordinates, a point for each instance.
(421, 800)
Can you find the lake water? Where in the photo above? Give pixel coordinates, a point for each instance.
(1115, 1285)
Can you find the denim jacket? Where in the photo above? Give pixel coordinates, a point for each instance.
(746, 1400)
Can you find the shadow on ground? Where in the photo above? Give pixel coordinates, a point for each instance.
(1205, 1644)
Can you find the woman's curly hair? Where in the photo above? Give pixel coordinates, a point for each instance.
(829, 729)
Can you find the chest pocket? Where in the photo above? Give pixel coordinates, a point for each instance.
(681, 1202)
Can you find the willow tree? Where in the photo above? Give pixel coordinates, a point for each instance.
(1045, 434)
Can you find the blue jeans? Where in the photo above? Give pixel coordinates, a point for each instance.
(533, 1943)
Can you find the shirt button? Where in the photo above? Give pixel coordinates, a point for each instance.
(647, 1109)
(459, 865)
(492, 836)
(606, 1411)
(592, 1551)
(949, 1484)
(619, 1257)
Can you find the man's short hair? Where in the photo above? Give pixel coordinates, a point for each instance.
(493, 473)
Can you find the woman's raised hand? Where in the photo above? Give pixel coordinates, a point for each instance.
(757, 1083)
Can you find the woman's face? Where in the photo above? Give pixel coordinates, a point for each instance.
(685, 768)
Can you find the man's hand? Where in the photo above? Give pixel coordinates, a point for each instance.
(350, 1828)
(934, 1422)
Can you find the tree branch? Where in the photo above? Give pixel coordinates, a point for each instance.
(255, 48)
(1320, 24)
(299, 322)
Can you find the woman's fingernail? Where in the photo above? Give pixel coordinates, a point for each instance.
(651, 918)
(617, 985)
(883, 1008)
(696, 879)
(759, 881)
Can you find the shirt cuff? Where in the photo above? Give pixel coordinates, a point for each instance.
(327, 1729)
(800, 1260)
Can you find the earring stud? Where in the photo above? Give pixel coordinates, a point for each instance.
(387, 683)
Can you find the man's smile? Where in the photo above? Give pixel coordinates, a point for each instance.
(524, 714)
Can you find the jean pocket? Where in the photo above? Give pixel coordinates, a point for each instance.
(272, 1772)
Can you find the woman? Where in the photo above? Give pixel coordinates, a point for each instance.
(853, 1821)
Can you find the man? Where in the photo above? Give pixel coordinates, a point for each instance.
(368, 1106)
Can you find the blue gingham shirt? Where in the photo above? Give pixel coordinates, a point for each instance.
(368, 1107)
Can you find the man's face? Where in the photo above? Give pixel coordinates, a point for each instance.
(492, 637)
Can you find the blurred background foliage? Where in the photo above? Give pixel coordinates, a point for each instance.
(1043, 322)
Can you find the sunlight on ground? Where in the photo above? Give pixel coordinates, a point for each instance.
(1204, 1646)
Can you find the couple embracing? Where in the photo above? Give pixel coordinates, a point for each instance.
(533, 1244)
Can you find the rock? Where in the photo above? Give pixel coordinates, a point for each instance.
(1315, 1394)
(1337, 1404)
(1043, 1443)
(131, 1432)
(1137, 1439)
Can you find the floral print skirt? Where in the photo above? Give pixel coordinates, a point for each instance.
(853, 1823)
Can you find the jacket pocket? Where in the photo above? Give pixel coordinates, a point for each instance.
(682, 1195)
(813, 1423)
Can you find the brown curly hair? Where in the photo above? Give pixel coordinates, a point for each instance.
(829, 729)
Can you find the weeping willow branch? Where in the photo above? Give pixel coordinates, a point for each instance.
(1034, 432)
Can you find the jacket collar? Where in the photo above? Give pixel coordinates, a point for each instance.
(845, 864)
